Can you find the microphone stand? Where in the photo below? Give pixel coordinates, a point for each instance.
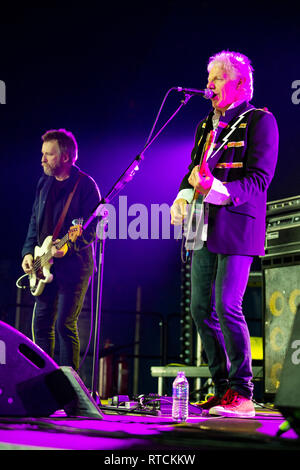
(126, 176)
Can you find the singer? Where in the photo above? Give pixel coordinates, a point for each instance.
(233, 189)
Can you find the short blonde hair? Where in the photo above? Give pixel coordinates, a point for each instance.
(237, 64)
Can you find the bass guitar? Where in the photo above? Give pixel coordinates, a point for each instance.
(40, 274)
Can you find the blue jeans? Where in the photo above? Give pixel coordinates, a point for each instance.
(218, 286)
(58, 308)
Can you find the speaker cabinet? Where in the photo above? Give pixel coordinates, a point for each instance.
(32, 384)
(288, 395)
(281, 298)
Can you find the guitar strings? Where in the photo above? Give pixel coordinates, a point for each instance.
(42, 260)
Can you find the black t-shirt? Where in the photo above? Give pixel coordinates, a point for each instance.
(56, 192)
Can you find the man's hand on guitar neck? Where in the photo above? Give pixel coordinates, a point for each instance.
(58, 253)
(201, 182)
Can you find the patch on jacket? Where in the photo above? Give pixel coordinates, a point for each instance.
(241, 143)
(230, 165)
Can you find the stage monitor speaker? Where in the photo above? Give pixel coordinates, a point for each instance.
(288, 396)
(281, 297)
(32, 384)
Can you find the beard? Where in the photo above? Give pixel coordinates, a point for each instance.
(52, 170)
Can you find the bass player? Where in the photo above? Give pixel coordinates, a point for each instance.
(64, 194)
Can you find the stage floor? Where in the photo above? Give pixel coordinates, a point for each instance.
(120, 435)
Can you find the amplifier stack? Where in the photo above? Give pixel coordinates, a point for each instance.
(281, 281)
(283, 227)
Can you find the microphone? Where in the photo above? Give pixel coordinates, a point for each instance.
(207, 93)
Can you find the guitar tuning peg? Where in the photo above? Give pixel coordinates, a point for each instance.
(77, 221)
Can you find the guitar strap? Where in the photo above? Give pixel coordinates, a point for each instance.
(65, 210)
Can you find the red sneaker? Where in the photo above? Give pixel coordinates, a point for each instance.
(234, 405)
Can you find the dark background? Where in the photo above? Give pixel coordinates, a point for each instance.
(101, 71)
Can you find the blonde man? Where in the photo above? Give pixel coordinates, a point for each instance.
(233, 187)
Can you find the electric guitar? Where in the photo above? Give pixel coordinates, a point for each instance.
(195, 211)
(43, 258)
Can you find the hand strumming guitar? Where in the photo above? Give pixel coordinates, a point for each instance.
(27, 263)
(178, 211)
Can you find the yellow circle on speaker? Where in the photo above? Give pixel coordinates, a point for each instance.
(272, 303)
(275, 373)
(294, 294)
(275, 345)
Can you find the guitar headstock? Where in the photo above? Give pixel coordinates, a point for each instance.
(76, 230)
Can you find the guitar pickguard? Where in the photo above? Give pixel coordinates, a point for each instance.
(41, 274)
(43, 258)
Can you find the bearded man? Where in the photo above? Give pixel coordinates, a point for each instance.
(59, 304)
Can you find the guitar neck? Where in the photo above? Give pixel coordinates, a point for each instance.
(62, 242)
(48, 255)
(74, 232)
(204, 156)
(209, 143)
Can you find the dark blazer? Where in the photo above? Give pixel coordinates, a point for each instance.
(246, 163)
(84, 201)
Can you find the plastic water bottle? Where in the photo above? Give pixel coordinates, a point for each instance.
(180, 395)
